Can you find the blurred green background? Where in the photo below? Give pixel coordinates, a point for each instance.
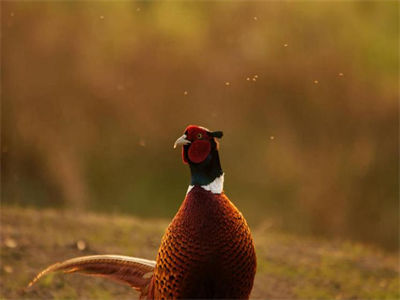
(95, 93)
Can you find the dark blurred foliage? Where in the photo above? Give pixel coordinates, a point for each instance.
(95, 93)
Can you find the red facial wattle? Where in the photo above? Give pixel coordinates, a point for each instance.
(199, 150)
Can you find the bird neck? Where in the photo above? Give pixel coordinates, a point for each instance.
(207, 171)
(215, 187)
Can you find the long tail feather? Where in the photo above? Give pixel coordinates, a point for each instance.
(136, 272)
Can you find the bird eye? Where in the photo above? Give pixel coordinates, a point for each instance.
(199, 135)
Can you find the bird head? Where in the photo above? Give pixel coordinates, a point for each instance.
(198, 142)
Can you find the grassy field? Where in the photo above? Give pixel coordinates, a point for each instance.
(289, 267)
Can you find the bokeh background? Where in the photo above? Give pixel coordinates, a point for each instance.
(95, 93)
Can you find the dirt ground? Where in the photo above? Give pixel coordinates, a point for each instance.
(289, 266)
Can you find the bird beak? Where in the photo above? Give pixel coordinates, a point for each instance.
(181, 141)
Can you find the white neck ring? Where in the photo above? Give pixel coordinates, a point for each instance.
(215, 187)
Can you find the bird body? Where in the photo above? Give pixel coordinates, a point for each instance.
(207, 250)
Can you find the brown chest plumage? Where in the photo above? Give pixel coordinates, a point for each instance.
(206, 252)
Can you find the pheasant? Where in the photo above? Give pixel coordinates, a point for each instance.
(207, 250)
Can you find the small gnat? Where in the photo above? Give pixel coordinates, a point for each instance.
(285, 45)
(142, 143)
(253, 78)
(255, 18)
(227, 83)
(316, 81)
(101, 17)
(185, 93)
(271, 137)
(341, 74)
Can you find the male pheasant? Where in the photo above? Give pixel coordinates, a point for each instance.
(207, 251)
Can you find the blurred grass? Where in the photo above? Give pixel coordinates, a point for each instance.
(289, 266)
(93, 100)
